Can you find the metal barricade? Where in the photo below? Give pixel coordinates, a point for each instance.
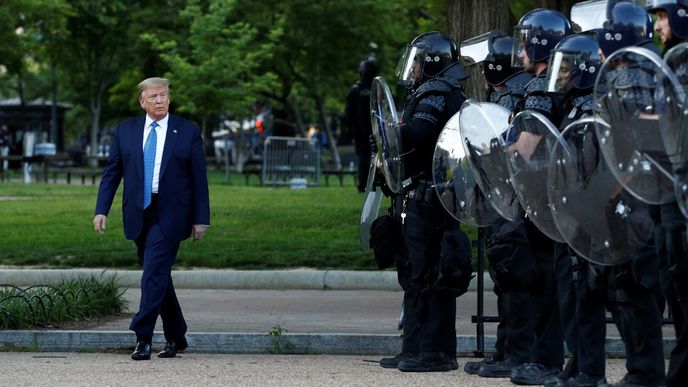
(287, 158)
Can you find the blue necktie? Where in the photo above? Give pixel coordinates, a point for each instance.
(149, 164)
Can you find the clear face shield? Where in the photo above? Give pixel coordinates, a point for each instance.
(409, 68)
(559, 71)
(519, 52)
(475, 49)
(589, 15)
(660, 3)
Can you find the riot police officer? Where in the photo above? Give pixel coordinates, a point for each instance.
(505, 86)
(535, 35)
(634, 286)
(671, 24)
(432, 74)
(573, 68)
(357, 111)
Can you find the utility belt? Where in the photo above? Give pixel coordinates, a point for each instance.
(422, 191)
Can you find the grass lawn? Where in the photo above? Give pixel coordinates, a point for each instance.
(252, 227)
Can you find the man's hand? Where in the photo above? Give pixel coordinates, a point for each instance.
(198, 231)
(99, 224)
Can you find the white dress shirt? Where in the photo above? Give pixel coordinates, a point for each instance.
(161, 132)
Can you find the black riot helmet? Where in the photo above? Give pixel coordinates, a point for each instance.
(426, 57)
(628, 24)
(367, 69)
(677, 12)
(537, 33)
(574, 63)
(493, 49)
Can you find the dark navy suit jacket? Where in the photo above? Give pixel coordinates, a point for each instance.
(183, 184)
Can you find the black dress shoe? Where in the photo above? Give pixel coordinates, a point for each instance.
(585, 380)
(500, 369)
(429, 362)
(472, 367)
(172, 347)
(533, 374)
(393, 362)
(142, 351)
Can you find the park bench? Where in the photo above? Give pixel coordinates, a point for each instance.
(69, 172)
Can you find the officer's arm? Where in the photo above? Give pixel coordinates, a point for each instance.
(423, 128)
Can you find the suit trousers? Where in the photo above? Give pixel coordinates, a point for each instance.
(158, 297)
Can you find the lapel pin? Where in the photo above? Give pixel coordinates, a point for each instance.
(174, 130)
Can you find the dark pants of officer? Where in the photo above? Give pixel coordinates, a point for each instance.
(501, 336)
(548, 348)
(363, 153)
(673, 253)
(500, 341)
(512, 268)
(158, 298)
(434, 308)
(634, 306)
(582, 312)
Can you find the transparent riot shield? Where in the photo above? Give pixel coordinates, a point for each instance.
(483, 126)
(681, 190)
(371, 206)
(675, 118)
(593, 213)
(454, 181)
(634, 88)
(529, 141)
(383, 115)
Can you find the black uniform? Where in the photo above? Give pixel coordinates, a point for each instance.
(548, 349)
(428, 230)
(582, 301)
(515, 332)
(357, 113)
(634, 293)
(670, 241)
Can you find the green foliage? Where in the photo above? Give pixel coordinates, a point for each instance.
(280, 344)
(73, 300)
(520, 7)
(217, 70)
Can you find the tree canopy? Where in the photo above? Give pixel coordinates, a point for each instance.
(223, 57)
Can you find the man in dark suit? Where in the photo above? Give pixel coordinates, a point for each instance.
(162, 160)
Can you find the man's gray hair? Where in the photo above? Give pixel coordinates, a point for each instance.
(153, 82)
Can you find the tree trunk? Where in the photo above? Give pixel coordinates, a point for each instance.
(469, 18)
(54, 137)
(96, 109)
(293, 106)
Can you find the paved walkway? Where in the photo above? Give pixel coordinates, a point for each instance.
(341, 318)
(193, 369)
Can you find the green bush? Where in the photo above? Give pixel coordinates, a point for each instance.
(51, 305)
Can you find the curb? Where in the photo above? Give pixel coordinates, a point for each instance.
(246, 343)
(300, 279)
